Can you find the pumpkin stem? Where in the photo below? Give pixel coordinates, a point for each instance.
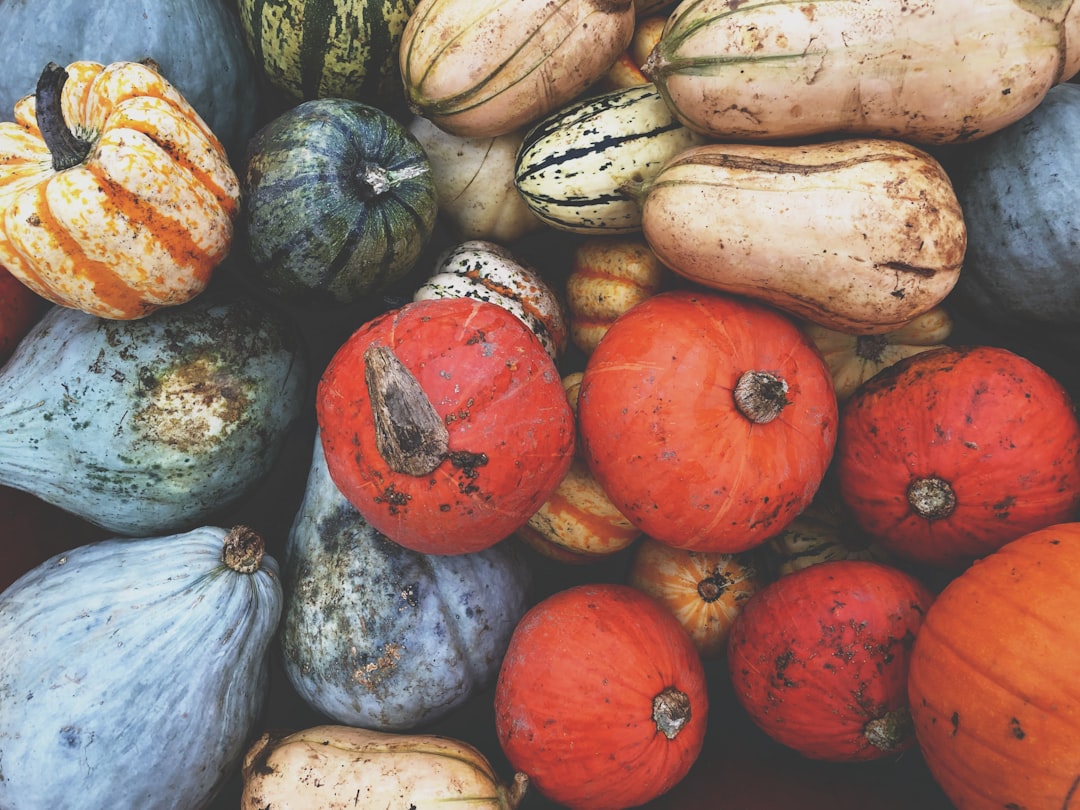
(870, 347)
(67, 148)
(671, 711)
(760, 396)
(513, 795)
(931, 498)
(891, 731)
(713, 586)
(409, 433)
(243, 550)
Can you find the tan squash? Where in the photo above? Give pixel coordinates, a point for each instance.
(626, 72)
(482, 68)
(859, 235)
(704, 590)
(609, 275)
(928, 71)
(854, 359)
(334, 767)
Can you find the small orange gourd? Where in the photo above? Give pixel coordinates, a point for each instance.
(116, 198)
(705, 591)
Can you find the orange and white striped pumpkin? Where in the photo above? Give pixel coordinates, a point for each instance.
(116, 198)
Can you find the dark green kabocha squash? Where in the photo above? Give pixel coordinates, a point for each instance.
(340, 202)
(378, 636)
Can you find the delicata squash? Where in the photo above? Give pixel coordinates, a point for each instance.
(115, 196)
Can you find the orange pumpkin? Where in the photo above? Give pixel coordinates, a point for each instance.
(995, 714)
(704, 591)
(116, 197)
(951, 453)
(709, 420)
(601, 699)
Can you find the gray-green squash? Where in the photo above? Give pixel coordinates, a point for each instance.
(197, 44)
(133, 671)
(340, 202)
(150, 426)
(1017, 188)
(377, 636)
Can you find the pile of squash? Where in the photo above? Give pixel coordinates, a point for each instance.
(539, 404)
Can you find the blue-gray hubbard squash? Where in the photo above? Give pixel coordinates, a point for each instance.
(133, 671)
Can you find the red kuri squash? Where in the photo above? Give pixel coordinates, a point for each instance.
(601, 699)
(444, 422)
(819, 659)
(708, 419)
(995, 709)
(949, 454)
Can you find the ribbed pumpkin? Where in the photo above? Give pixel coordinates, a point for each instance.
(854, 359)
(995, 718)
(819, 659)
(117, 199)
(339, 202)
(703, 590)
(708, 419)
(949, 454)
(601, 700)
(445, 424)
(328, 48)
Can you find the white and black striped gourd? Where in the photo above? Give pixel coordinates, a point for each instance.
(377, 636)
(577, 169)
(133, 671)
(150, 426)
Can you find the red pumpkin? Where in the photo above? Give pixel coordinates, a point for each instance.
(951, 453)
(601, 699)
(819, 659)
(995, 709)
(444, 422)
(709, 420)
(20, 308)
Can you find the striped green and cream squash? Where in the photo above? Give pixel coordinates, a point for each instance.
(579, 168)
(328, 48)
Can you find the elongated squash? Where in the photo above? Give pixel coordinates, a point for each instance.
(338, 767)
(483, 68)
(858, 235)
(929, 71)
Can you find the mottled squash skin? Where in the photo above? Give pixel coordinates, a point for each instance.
(149, 426)
(377, 636)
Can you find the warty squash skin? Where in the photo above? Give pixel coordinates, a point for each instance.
(150, 426)
(335, 767)
(116, 198)
(134, 670)
(859, 235)
(931, 71)
(375, 635)
(482, 68)
(949, 454)
(996, 724)
(819, 659)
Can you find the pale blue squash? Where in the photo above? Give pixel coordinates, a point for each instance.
(150, 426)
(198, 45)
(133, 671)
(1018, 191)
(380, 637)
